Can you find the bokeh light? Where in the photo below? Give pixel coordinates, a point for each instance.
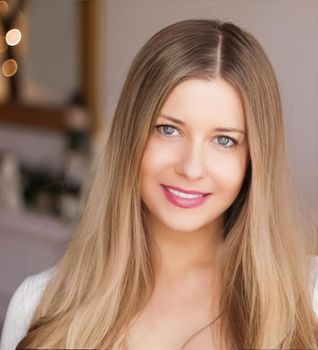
(9, 67)
(13, 37)
(3, 8)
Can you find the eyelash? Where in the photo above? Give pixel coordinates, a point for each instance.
(235, 142)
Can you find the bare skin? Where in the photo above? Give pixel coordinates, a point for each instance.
(205, 150)
(185, 296)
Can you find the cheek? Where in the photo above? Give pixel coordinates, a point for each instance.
(156, 159)
(229, 171)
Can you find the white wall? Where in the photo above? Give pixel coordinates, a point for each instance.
(287, 29)
(50, 61)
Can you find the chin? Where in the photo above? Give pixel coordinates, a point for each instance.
(184, 226)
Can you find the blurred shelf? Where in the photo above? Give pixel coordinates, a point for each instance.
(34, 116)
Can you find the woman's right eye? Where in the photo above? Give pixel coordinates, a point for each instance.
(166, 129)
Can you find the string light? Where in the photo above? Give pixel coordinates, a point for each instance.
(9, 67)
(13, 37)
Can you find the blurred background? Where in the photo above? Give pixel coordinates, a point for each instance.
(62, 67)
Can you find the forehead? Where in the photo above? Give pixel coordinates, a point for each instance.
(212, 103)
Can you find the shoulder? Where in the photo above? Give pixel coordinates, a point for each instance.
(21, 308)
(313, 281)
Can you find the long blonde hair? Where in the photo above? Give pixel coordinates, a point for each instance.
(105, 277)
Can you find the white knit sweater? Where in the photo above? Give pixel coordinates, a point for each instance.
(25, 299)
(21, 308)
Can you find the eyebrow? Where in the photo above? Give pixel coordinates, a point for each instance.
(180, 122)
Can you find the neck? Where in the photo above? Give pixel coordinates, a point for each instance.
(175, 255)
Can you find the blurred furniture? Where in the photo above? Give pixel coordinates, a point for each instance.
(30, 241)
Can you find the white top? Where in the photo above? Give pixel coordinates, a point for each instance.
(21, 308)
(26, 298)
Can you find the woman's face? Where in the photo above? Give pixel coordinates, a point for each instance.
(199, 144)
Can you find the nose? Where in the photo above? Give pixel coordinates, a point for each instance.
(191, 162)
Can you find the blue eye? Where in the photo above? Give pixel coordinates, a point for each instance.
(222, 140)
(226, 141)
(166, 129)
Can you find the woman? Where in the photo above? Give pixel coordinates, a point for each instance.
(189, 238)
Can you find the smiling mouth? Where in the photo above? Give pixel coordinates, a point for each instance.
(184, 200)
(181, 191)
(184, 195)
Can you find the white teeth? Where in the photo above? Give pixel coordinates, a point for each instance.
(184, 195)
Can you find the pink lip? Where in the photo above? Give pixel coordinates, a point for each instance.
(184, 202)
(185, 191)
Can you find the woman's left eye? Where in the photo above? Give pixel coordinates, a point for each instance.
(226, 141)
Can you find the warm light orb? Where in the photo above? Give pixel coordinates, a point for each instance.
(3, 8)
(9, 68)
(13, 37)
